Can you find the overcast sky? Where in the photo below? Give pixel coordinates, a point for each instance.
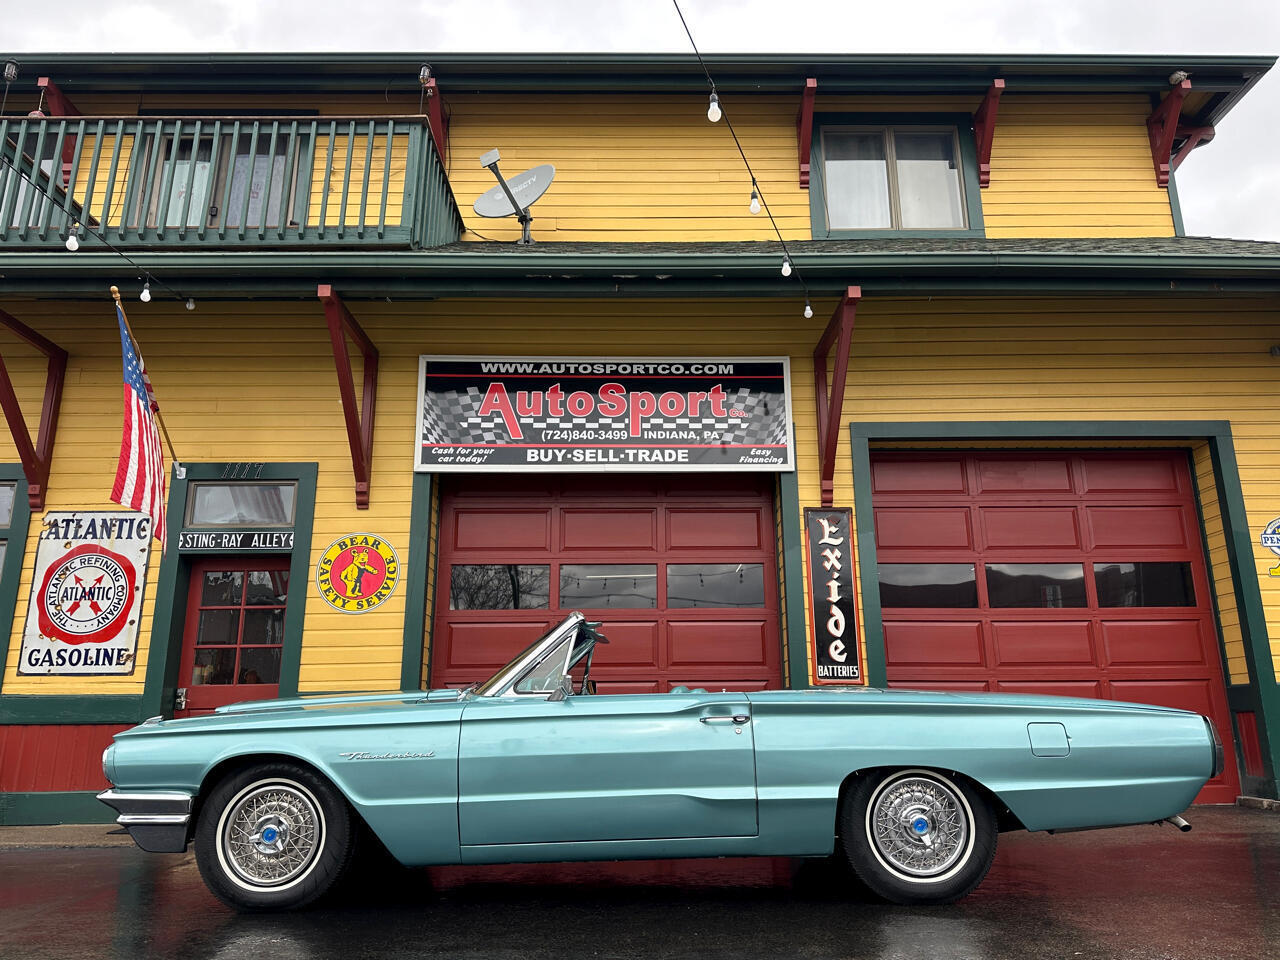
(1230, 188)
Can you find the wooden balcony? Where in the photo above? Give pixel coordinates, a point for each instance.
(209, 182)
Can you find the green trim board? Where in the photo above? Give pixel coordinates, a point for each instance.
(52, 807)
(1263, 692)
(792, 548)
(416, 567)
(14, 554)
(169, 619)
(963, 125)
(70, 708)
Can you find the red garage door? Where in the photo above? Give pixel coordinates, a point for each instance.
(681, 570)
(1079, 574)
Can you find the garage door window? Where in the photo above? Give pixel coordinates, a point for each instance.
(1036, 585)
(1144, 584)
(499, 586)
(928, 585)
(715, 585)
(609, 586)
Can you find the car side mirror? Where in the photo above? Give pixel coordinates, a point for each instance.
(561, 692)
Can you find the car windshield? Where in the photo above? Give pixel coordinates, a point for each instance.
(503, 676)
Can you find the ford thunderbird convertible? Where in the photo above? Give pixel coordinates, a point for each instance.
(534, 765)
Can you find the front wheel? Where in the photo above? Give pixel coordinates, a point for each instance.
(273, 837)
(918, 837)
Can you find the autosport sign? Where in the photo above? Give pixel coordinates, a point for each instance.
(560, 414)
(86, 594)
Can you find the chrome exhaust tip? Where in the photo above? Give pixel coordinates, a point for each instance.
(1179, 823)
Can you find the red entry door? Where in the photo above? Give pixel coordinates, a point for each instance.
(235, 632)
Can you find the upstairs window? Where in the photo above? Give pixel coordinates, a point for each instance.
(894, 178)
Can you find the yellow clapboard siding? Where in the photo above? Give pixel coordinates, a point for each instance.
(228, 397)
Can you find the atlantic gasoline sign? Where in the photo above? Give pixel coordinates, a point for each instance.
(561, 414)
(357, 572)
(836, 655)
(86, 594)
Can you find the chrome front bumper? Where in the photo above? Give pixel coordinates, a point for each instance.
(156, 821)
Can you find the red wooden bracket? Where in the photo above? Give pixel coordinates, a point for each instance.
(359, 420)
(804, 128)
(60, 105)
(36, 457)
(830, 400)
(436, 117)
(1162, 127)
(1193, 137)
(984, 130)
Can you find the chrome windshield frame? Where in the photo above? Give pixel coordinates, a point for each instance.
(516, 669)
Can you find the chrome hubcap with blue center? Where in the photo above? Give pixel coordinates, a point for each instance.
(272, 834)
(919, 826)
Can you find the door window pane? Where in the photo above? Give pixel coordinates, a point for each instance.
(4, 548)
(218, 627)
(608, 585)
(1144, 585)
(6, 503)
(267, 587)
(856, 179)
(221, 588)
(216, 666)
(242, 504)
(499, 586)
(263, 626)
(928, 585)
(259, 665)
(715, 585)
(928, 181)
(1036, 584)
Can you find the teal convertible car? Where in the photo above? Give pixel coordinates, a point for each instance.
(533, 765)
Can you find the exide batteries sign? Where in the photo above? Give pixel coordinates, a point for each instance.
(539, 413)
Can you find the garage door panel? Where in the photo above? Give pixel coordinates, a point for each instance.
(1024, 475)
(490, 530)
(1194, 695)
(604, 686)
(489, 644)
(703, 642)
(1142, 528)
(1043, 643)
(700, 529)
(955, 686)
(1030, 528)
(1153, 641)
(924, 528)
(629, 530)
(910, 643)
(931, 476)
(1124, 474)
(1091, 689)
(631, 644)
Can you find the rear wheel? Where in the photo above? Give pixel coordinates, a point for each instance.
(918, 837)
(273, 837)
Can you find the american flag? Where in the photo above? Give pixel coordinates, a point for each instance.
(140, 475)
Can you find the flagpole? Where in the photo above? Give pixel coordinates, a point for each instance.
(115, 293)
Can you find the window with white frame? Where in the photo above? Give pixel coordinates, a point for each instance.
(893, 178)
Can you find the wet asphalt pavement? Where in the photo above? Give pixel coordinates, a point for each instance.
(1139, 892)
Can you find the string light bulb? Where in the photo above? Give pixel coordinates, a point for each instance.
(191, 304)
(145, 295)
(73, 238)
(755, 199)
(786, 266)
(714, 112)
(808, 309)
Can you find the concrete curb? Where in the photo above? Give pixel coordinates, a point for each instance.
(63, 836)
(1259, 803)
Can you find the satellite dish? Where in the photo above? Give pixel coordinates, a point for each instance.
(526, 187)
(514, 198)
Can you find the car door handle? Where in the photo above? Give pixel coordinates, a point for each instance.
(738, 718)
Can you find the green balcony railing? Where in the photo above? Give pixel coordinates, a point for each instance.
(224, 181)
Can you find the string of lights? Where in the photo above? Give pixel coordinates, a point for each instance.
(75, 227)
(715, 111)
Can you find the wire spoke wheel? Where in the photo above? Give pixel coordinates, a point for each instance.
(919, 826)
(272, 833)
